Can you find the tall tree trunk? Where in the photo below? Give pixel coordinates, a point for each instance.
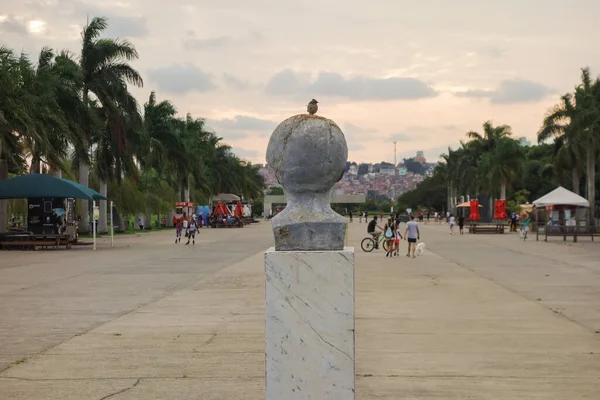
(84, 179)
(102, 223)
(35, 165)
(591, 182)
(503, 190)
(186, 189)
(449, 203)
(576, 180)
(3, 176)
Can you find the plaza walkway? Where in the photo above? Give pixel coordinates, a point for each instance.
(476, 317)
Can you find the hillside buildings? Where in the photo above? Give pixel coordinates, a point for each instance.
(381, 179)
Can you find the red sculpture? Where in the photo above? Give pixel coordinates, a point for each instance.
(474, 211)
(500, 209)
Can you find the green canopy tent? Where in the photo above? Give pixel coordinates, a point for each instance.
(47, 186)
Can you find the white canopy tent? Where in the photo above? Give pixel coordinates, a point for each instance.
(226, 197)
(563, 197)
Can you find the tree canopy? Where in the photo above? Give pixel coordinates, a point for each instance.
(495, 164)
(74, 115)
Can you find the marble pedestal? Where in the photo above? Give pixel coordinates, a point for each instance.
(309, 324)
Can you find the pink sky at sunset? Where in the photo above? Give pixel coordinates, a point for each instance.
(421, 74)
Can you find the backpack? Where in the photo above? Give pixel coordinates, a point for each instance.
(388, 233)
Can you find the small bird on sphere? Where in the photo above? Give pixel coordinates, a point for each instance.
(312, 107)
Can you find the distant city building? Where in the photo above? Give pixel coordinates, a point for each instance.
(420, 157)
(387, 181)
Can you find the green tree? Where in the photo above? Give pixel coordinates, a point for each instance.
(106, 72)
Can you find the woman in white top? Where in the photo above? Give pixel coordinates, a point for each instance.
(452, 221)
(192, 232)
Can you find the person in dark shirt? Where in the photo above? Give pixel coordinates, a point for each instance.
(461, 223)
(374, 230)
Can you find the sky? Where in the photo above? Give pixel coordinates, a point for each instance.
(418, 73)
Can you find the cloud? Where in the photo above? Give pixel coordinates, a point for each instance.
(356, 147)
(511, 92)
(245, 153)
(400, 137)
(355, 133)
(242, 126)
(123, 26)
(355, 88)
(123, 20)
(12, 25)
(234, 82)
(475, 93)
(192, 42)
(181, 79)
(245, 122)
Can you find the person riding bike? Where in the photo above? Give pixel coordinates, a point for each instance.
(374, 230)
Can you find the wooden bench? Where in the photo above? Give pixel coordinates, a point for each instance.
(28, 243)
(486, 229)
(32, 243)
(238, 225)
(568, 231)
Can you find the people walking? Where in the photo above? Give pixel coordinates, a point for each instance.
(192, 232)
(388, 230)
(461, 223)
(412, 235)
(178, 230)
(451, 222)
(397, 237)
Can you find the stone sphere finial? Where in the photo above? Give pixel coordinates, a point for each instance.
(308, 154)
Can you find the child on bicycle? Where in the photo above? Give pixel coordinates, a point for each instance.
(525, 223)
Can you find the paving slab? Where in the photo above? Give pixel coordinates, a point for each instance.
(461, 322)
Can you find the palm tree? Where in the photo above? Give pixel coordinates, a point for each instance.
(502, 164)
(587, 101)
(43, 83)
(14, 120)
(485, 143)
(576, 124)
(106, 73)
(569, 150)
(491, 135)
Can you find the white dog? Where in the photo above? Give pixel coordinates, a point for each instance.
(420, 249)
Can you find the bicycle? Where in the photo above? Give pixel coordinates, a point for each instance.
(368, 243)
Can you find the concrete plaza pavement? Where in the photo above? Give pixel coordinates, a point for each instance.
(476, 317)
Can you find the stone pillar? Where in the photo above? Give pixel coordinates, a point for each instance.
(266, 208)
(309, 341)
